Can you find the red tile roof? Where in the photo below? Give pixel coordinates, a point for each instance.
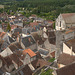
(69, 31)
(33, 15)
(30, 52)
(2, 34)
(13, 26)
(33, 23)
(53, 54)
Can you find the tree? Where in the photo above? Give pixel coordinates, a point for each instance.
(8, 27)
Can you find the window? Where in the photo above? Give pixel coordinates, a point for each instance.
(60, 23)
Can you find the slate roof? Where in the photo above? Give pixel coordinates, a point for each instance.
(38, 56)
(65, 59)
(26, 30)
(5, 45)
(17, 30)
(1, 72)
(10, 39)
(67, 70)
(51, 37)
(28, 41)
(38, 38)
(1, 30)
(44, 52)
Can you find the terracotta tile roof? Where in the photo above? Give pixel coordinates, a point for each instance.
(30, 52)
(33, 15)
(67, 70)
(2, 34)
(69, 31)
(50, 21)
(65, 59)
(71, 43)
(13, 26)
(33, 24)
(53, 54)
(72, 28)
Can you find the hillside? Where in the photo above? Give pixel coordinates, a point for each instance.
(47, 8)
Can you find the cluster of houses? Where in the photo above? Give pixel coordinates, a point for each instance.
(30, 44)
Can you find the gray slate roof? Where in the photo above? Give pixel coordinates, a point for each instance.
(28, 42)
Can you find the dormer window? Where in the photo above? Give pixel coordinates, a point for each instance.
(30, 40)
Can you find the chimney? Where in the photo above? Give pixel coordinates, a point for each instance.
(20, 37)
(37, 44)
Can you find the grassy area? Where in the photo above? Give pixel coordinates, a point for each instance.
(48, 72)
(52, 59)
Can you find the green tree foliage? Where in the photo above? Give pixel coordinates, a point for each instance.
(49, 9)
(8, 27)
(48, 72)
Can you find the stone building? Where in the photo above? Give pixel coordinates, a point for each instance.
(65, 21)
